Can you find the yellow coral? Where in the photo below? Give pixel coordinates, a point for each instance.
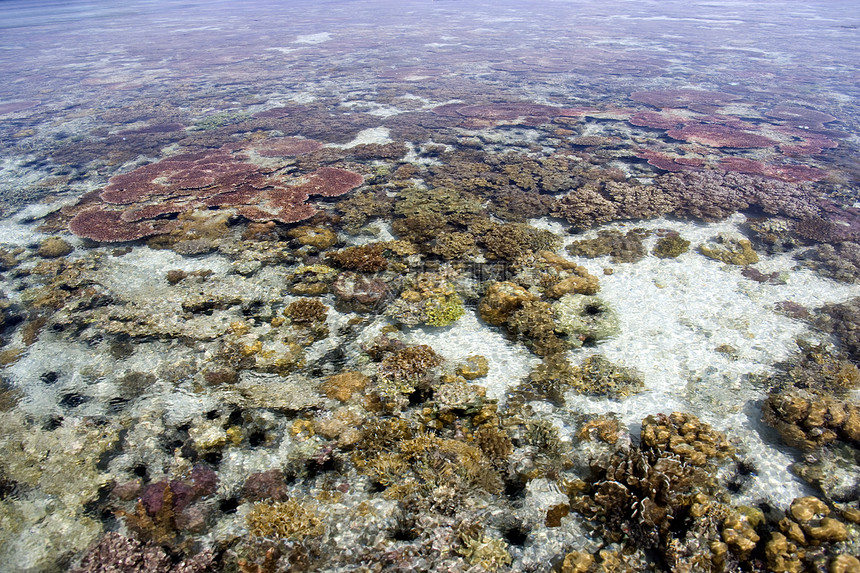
(284, 520)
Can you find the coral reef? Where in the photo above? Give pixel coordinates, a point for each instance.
(730, 251)
(670, 246)
(428, 298)
(842, 321)
(685, 436)
(54, 247)
(599, 377)
(292, 520)
(621, 247)
(501, 300)
(286, 373)
(807, 420)
(344, 385)
(130, 205)
(515, 240)
(115, 552)
(475, 366)
(840, 261)
(585, 319)
(354, 292)
(306, 310)
(402, 371)
(368, 258)
(319, 238)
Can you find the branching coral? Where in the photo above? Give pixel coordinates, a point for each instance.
(292, 520)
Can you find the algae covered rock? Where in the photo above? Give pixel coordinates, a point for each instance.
(585, 319)
(54, 247)
(730, 251)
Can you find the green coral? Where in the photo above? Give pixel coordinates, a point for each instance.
(585, 318)
(670, 246)
(443, 310)
(731, 251)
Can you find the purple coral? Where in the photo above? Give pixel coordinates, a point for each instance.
(115, 553)
(131, 205)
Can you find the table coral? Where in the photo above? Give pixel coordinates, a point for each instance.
(680, 98)
(714, 135)
(130, 205)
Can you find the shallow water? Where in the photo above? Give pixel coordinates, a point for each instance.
(256, 255)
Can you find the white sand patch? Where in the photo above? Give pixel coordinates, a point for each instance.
(509, 363)
(675, 313)
(313, 38)
(377, 135)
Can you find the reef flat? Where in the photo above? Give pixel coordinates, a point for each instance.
(435, 287)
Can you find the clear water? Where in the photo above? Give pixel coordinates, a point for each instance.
(175, 176)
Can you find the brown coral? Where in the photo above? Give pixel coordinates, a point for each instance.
(306, 311)
(685, 436)
(807, 419)
(501, 300)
